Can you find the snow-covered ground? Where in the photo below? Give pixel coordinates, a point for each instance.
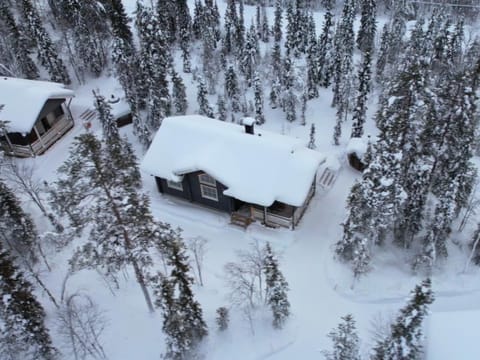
(321, 290)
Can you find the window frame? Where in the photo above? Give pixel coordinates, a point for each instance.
(175, 185)
(206, 179)
(205, 188)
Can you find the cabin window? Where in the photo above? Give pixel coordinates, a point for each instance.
(207, 179)
(209, 192)
(175, 185)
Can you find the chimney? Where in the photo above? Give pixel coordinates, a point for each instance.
(248, 122)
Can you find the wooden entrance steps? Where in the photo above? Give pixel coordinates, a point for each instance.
(240, 219)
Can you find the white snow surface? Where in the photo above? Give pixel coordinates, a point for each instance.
(259, 168)
(24, 99)
(451, 335)
(321, 288)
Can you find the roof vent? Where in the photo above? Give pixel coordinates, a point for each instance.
(248, 122)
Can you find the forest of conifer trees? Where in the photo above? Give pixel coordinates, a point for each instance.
(418, 62)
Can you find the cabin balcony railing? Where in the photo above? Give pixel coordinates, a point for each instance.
(61, 126)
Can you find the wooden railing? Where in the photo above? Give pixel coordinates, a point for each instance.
(39, 146)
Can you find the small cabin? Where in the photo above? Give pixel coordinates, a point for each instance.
(36, 113)
(252, 175)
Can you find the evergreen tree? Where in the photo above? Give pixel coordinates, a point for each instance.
(405, 338)
(366, 33)
(343, 57)
(277, 22)
(346, 344)
(182, 315)
(104, 114)
(46, 52)
(258, 94)
(239, 34)
(19, 44)
(154, 62)
(85, 29)
(312, 64)
(230, 26)
(360, 110)
(221, 108)
(382, 54)
(205, 108)
(24, 334)
(250, 56)
(119, 20)
(179, 95)
(99, 185)
(354, 245)
(17, 229)
(222, 318)
(276, 288)
(311, 142)
(232, 90)
(325, 48)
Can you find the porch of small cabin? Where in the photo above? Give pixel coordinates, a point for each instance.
(53, 122)
(276, 215)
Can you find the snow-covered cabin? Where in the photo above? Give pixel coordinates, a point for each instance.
(251, 174)
(36, 113)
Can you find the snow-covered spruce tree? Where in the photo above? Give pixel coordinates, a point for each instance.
(354, 247)
(179, 95)
(258, 94)
(250, 56)
(205, 107)
(360, 109)
(276, 288)
(277, 21)
(222, 318)
(19, 44)
(104, 114)
(85, 33)
(346, 343)
(405, 338)
(210, 58)
(221, 108)
(344, 42)
(240, 31)
(46, 52)
(24, 335)
(197, 19)
(311, 142)
(382, 54)
(182, 315)
(154, 62)
(325, 46)
(17, 230)
(312, 52)
(126, 62)
(368, 26)
(232, 90)
(230, 25)
(100, 184)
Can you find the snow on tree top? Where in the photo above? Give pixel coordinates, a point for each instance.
(24, 99)
(259, 168)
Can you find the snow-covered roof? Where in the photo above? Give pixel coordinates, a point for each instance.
(452, 335)
(260, 168)
(24, 100)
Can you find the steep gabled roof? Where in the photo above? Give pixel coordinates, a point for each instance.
(24, 100)
(260, 168)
